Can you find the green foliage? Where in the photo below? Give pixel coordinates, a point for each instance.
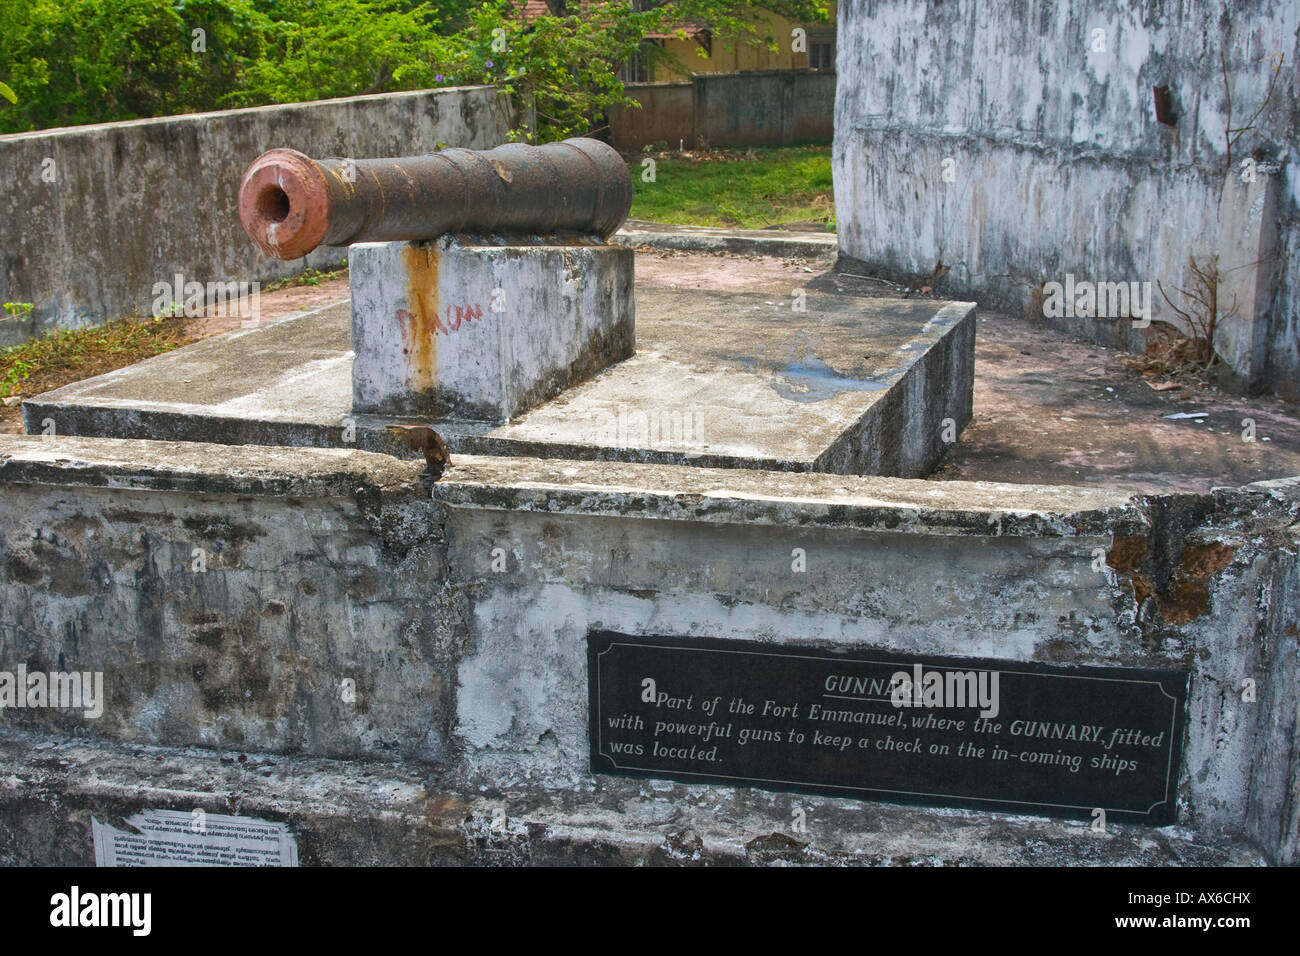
(565, 68)
(19, 367)
(749, 189)
(67, 355)
(83, 61)
(87, 61)
(19, 371)
(306, 277)
(326, 48)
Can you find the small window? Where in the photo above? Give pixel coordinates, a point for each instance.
(634, 70)
(821, 56)
(637, 68)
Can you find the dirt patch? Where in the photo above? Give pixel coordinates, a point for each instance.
(1053, 410)
(725, 271)
(79, 356)
(281, 303)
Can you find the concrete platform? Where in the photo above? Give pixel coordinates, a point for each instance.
(852, 385)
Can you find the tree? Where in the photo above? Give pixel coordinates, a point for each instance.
(566, 65)
(86, 61)
(327, 48)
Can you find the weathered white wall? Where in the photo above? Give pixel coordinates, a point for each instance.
(130, 204)
(1057, 161)
(327, 565)
(1023, 590)
(226, 618)
(485, 332)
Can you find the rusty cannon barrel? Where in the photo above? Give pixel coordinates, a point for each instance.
(289, 203)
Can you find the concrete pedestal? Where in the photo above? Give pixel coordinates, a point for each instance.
(445, 329)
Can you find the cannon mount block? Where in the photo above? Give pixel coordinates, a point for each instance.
(452, 329)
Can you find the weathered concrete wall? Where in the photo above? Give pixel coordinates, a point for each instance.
(1188, 583)
(228, 613)
(998, 148)
(666, 115)
(353, 813)
(1273, 814)
(95, 215)
(776, 108)
(758, 108)
(448, 328)
(1284, 342)
(326, 566)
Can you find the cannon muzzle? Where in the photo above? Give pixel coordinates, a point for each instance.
(289, 203)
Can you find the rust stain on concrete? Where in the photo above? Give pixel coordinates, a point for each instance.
(1203, 561)
(1142, 588)
(1186, 596)
(1126, 553)
(420, 324)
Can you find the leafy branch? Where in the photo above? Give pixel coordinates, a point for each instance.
(87, 61)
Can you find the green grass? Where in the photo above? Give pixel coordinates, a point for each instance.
(306, 277)
(744, 188)
(68, 355)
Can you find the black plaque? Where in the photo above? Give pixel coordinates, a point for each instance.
(1065, 741)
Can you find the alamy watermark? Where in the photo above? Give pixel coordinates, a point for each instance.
(128, 910)
(946, 688)
(1098, 300)
(242, 300)
(74, 690)
(635, 428)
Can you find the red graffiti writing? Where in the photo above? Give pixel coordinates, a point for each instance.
(463, 314)
(456, 316)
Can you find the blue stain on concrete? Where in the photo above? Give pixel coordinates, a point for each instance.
(812, 380)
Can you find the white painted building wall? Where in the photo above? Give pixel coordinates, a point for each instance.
(1000, 146)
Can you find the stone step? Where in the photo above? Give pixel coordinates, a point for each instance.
(357, 813)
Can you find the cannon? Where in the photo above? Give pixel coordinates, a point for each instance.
(289, 203)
